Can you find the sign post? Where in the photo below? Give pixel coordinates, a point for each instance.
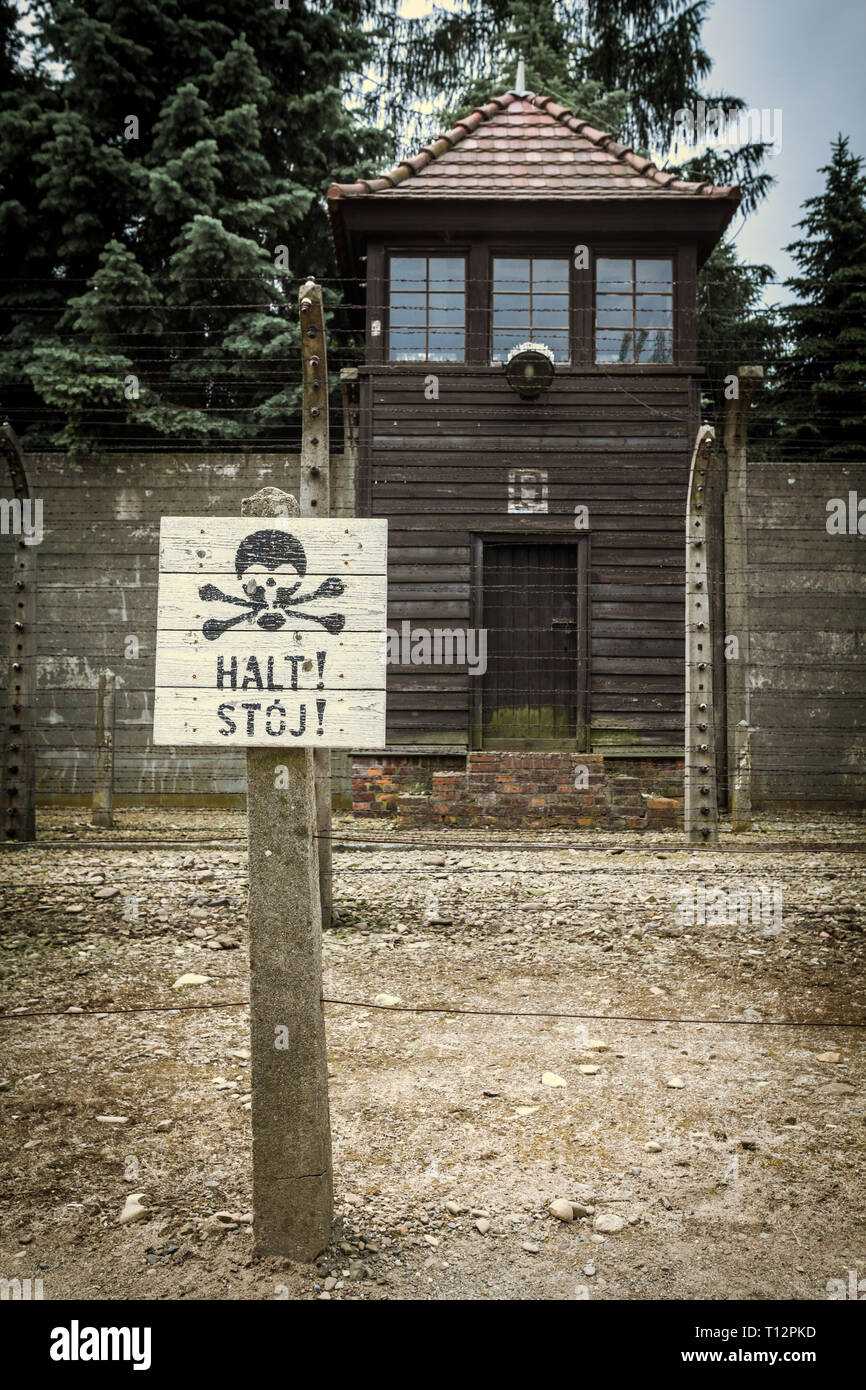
(271, 638)
(102, 807)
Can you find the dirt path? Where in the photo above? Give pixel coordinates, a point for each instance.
(752, 1186)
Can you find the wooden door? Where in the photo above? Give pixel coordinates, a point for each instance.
(533, 606)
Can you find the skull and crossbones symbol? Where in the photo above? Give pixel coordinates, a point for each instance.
(270, 566)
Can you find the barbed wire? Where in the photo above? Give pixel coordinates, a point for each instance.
(445, 1009)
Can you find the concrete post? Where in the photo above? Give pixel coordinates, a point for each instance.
(292, 1179)
(741, 800)
(701, 815)
(102, 807)
(316, 501)
(736, 510)
(20, 733)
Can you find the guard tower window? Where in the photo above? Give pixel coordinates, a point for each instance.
(530, 302)
(427, 309)
(633, 310)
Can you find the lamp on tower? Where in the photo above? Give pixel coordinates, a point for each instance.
(529, 369)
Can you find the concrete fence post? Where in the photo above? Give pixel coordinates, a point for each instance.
(292, 1178)
(102, 807)
(741, 799)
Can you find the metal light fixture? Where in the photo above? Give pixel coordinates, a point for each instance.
(529, 369)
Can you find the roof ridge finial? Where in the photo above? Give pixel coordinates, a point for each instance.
(520, 81)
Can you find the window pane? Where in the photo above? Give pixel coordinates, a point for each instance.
(409, 272)
(653, 275)
(504, 341)
(654, 301)
(407, 309)
(613, 311)
(654, 347)
(550, 301)
(511, 314)
(613, 275)
(445, 345)
(446, 310)
(447, 273)
(550, 275)
(513, 274)
(407, 344)
(454, 299)
(401, 300)
(657, 317)
(558, 344)
(613, 347)
(548, 318)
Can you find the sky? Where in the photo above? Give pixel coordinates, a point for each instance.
(804, 60)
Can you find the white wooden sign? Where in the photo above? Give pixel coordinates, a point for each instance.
(271, 631)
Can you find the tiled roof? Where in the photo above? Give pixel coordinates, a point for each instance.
(525, 147)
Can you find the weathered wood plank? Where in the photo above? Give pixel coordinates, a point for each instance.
(251, 719)
(361, 604)
(351, 661)
(333, 545)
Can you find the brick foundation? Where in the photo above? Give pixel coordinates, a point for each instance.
(514, 789)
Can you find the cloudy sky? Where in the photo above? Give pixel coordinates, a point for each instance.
(806, 59)
(801, 58)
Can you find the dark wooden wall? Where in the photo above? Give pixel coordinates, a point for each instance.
(618, 441)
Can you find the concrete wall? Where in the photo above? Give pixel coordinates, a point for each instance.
(97, 588)
(802, 683)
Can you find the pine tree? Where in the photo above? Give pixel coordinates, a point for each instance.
(628, 65)
(736, 328)
(823, 384)
(176, 184)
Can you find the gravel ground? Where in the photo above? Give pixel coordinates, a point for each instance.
(730, 1153)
